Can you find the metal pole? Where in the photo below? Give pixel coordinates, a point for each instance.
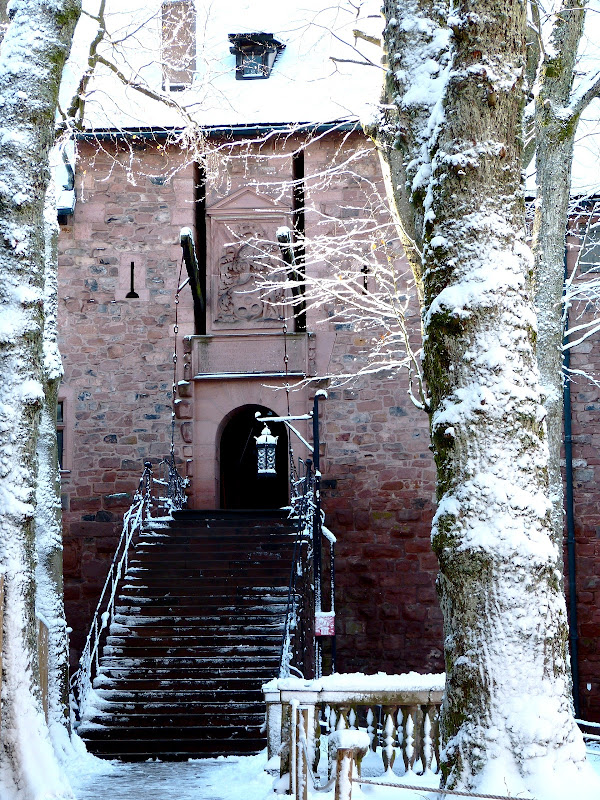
(317, 554)
(332, 578)
(317, 514)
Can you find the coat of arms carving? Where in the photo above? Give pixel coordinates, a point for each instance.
(243, 296)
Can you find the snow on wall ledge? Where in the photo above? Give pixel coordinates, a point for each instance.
(359, 682)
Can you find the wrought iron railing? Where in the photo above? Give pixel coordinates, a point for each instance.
(175, 497)
(301, 650)
(145, 501)
(296, 652)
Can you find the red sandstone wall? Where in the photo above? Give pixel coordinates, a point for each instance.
(585, 399)
(586, 478)
(378, 475)
(117, 353)
(379, 480)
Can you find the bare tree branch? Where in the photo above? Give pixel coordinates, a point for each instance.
(585, 95)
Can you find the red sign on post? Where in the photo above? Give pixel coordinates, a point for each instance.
(324, 623)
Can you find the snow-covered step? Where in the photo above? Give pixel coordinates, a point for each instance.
(197, 631)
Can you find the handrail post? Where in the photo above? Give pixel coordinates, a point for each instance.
(147, 490)
(350, 747)
(344, 767)
(273, 721)
(302, 766)
(285, 748)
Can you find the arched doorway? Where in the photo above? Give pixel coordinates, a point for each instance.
(241, 487)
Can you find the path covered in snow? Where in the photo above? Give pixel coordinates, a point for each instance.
(233, 778)
(209, 779)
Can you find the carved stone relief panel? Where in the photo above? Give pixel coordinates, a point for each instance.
(245, 263)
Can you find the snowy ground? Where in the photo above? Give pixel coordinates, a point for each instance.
(208, 779)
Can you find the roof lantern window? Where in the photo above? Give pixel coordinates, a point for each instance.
(255, 54)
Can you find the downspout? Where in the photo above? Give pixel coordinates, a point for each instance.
(573, 636)
(186, 239)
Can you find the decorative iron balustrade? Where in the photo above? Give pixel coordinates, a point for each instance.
(144, 502)
(297, 647)
(306, 621)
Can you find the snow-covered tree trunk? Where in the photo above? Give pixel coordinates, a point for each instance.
(32, 55)
(48, 513)
(507, 720)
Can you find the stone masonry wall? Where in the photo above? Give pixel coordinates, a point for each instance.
(379, 480)
(118, 369)
(585, 401)
(117, 352)
(378, 476)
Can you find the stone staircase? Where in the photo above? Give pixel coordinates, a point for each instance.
(197, 631)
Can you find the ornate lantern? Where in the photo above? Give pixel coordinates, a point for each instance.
(265, 451)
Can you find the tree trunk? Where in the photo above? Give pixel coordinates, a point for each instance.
(555, 137)
(48, 514)
(32, 55)
(507, 720)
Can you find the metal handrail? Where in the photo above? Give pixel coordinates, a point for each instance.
(140, 510)
(306, 567)
(300, 504)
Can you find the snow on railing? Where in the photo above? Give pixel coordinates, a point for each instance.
(398, 713)
(140, 510)
(175, 497)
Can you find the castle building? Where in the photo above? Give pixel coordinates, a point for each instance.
(276, 147)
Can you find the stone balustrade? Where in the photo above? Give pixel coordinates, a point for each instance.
(397, 714)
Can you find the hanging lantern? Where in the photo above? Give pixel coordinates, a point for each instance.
(265, 451)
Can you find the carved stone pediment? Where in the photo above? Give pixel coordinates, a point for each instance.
(244, 201)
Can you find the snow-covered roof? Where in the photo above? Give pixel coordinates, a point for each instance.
(325, 73)
(306, 84)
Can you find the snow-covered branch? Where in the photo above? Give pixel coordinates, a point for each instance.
(584, 94)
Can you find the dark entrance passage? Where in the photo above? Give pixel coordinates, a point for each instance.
(241, 487)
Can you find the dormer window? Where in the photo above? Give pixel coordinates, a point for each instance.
(255, 54)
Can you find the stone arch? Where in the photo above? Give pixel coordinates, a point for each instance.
(240, 486)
